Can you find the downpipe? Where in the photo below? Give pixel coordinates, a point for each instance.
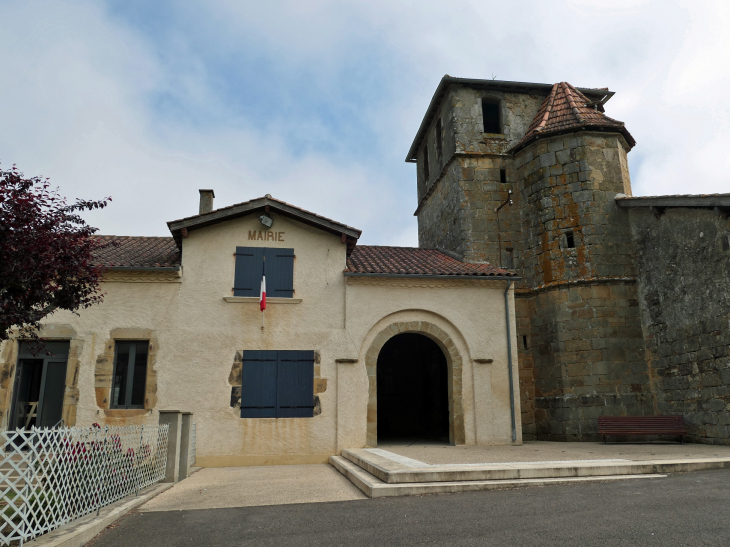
(509, 362)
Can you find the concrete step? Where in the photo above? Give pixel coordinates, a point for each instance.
(394, 469)
(373, 487)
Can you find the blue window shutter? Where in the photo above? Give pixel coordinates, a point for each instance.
(295, 384)
(249, 267)
(279, 272)
(258, 384)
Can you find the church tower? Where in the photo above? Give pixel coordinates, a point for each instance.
(524, 176)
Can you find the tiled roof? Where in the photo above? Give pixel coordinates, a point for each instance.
(143, 252)
(567, 109)
(374, 259)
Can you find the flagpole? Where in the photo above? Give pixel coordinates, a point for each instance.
(262, 297)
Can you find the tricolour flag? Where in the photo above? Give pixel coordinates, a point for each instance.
(262, 297)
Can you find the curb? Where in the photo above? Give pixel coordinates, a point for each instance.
(83, 530)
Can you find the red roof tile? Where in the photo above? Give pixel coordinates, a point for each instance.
(143, 252)
(567, 109)
(415, 261)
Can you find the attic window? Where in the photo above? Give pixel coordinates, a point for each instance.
(503, 175)
(569, 240)
(439, 139)
(425, 163)
(490, 115)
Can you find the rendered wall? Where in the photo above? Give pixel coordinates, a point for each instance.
(197, 337)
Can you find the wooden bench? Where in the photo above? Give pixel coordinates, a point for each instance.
(641, 425)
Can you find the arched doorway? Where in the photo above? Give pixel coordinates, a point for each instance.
(412, 390)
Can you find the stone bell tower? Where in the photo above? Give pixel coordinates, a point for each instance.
(579, 329)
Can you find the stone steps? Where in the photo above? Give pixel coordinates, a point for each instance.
(380, 473)
(373, 487)
(397, 469)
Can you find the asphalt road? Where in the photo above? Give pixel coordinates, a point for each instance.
(683, 509)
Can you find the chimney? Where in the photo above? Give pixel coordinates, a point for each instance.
(206, 201)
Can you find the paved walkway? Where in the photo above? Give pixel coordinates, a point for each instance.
(543, 451)
(220, 487)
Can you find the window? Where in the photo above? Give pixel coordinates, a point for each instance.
(439, 139)
(130, 374)
(569, 239)
(40, 385)
(250, 268)
(509, 262)
(277, 384)
(490, 114)
(425, 163)
(503, 175)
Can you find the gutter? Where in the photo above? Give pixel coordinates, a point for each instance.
(427, 276)
(509, 362)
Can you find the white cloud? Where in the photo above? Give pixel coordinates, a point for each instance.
(80, 84)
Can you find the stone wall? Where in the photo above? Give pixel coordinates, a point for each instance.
(456, 210)
(440, 219)
(567, 185)
(683, 259)
(586, 356)
(578, 318)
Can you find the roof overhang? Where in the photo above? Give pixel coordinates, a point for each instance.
(699, 200)
(349, 234)
(527, 88)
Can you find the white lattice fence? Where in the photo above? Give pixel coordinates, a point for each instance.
(49, 477)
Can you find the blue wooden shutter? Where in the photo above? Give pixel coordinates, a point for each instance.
(279, 272)
(295, 384)
(258, 384)
(249, 266)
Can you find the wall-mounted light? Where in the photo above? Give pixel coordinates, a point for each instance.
(266, 220)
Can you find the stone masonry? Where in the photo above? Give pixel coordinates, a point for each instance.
(683, 259)
(595, 333)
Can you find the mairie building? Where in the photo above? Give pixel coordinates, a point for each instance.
(357, 343)
(542, 295)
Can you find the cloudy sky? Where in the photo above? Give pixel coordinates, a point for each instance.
(316, 102)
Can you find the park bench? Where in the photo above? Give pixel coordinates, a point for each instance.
(641, 425)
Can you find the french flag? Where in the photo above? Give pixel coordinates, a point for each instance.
(262, 297)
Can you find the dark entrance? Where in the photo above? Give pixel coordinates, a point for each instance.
(40, 384)
(413, 399)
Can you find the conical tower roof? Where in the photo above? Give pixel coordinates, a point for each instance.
(567, 109)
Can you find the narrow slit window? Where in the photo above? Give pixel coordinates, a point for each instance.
(525, 345)
(439, 139)
(509, 259)
(569, 240)
(490, 114)
(503, 175)
(425, 163)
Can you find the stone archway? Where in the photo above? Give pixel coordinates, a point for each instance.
(457, 433)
